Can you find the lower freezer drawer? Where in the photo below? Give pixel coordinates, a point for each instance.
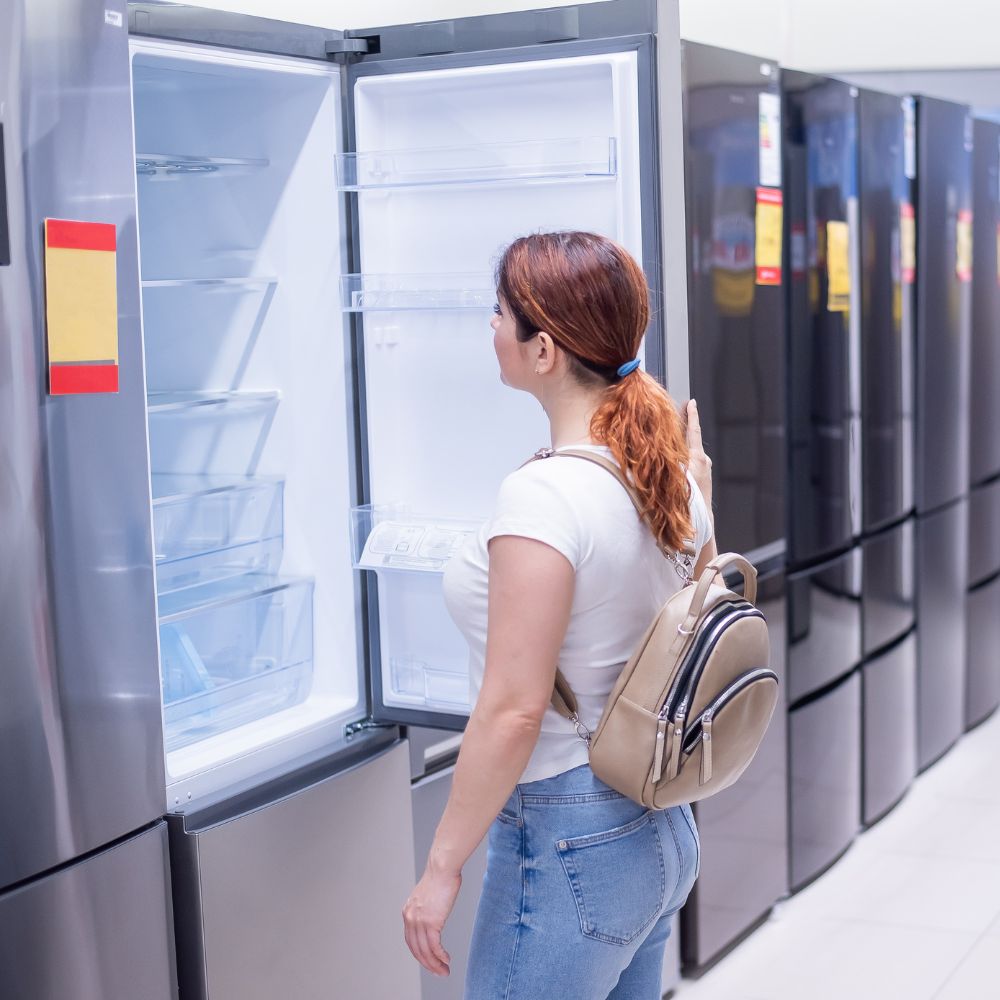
(824, 746)
(98, 929)
(890, 727)
(982, 691)
(233, 654)
(299, 896)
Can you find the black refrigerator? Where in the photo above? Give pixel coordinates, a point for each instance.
(886, 167)
(982, 691)
(732, 111)
(824, 508)
(944, 294)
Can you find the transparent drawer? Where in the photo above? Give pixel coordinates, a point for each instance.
(233, 652)
(392, 292)
(209, 433)
(212, 528)
(484, 163)
(393, 537)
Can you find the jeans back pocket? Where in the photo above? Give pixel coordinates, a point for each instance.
(617, 878)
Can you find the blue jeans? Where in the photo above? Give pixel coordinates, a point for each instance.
(580, 888)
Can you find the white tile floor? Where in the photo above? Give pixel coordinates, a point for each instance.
(911, 912)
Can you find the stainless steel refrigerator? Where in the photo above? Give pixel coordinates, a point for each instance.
(886, 169)
(944, 285)
(736, 308)
(824, 494)
(319, 214)
(84, 882)
(982, 692)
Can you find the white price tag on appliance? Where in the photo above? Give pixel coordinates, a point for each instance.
(909, 138)
(398, 545)
(769, 139)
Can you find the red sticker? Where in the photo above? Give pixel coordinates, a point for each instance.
(68, 380)
(66, 235)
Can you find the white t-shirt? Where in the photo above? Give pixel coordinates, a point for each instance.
(622, 580)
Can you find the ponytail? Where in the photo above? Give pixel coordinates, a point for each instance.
(589, 294)
(639, 424)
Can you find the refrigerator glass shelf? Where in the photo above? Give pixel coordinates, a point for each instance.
(233, 652)
(213, 528)
(171, 165)
(220, 284)
(167, 402)
(392, 292)
(394, 538)
(486, 163)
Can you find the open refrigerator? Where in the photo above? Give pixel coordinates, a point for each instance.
(319, 217)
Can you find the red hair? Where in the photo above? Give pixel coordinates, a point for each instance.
(591, 297)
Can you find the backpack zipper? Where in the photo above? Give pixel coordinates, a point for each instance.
(698, 730)
(690, 671)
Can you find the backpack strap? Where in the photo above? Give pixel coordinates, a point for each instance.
(563, 699)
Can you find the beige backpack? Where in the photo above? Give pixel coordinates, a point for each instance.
(691, 706)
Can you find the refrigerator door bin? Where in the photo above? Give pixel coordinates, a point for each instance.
(391, 292)
(232, 653)
(392, 538)
(209, 528)
(172, 166)
(484, 163)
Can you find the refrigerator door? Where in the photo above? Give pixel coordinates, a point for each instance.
(80, 740)
(942, 574)
(886, 311)
(824, 624)
(982, 692)
(99, 929)
(889, 740)
(944, 277)
(455, 155)
(299, 894)
(824, 743)
(736, 307)
(888, 591)
(984, 417)
(820, 135)
(251, 409)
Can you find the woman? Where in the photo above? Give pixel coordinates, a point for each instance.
(580, 887)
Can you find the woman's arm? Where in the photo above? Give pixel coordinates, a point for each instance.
(530, 596)
(700, 467)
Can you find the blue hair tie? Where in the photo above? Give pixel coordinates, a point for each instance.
(628, 367)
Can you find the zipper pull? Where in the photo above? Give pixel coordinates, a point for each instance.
(658, 749)
(676, 742)
(706, 747)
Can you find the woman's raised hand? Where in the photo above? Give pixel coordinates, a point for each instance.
(699, 464)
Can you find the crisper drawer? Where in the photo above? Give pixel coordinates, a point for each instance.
(212, 528)
(233, 652)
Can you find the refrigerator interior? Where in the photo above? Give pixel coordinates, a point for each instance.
(450, 166)
(249, 411)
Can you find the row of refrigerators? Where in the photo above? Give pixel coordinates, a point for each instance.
(220, 586)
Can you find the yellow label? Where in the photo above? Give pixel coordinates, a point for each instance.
(81, 305)
(907, 243)
(963, 246)
(767, 249)
(838, 267)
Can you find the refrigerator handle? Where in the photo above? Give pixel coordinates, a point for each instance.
(4, 233)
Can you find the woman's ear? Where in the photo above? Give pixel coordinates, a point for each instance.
(545, 353)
